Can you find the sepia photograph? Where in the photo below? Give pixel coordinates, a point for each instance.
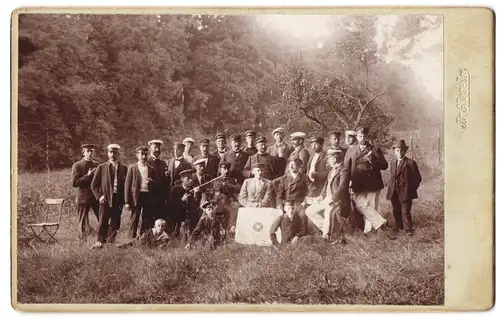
(230, 158)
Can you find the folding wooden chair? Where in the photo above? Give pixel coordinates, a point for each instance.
(48, 227)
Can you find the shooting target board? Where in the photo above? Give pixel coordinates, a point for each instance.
(253, 225)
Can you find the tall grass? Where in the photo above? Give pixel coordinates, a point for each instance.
(407, 271)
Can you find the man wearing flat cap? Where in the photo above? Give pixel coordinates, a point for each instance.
(177, 164)
(221, 144)
(237, 158)
(188, 145)
(298, 148)
(256, 191)
(158, 195)
(250, 137)
(402, 189)
(108, 186)
(269, 163)
(280, 149)
(363, 164)
(317, 168)
(335, 143)
(82, 173)
(140, 182)
(184, 205)
(211, 161)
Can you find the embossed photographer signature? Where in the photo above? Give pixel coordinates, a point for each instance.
(463, 100)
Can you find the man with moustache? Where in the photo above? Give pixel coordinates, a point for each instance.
(317, 168)
(221, 144)
(177, 164)
(250, 136)
(280, 149)
(108, 187)
(158, 195)
(298, 147)
(236, 159)
(269, 162)
(211, 161)
(82, 173)
(363, 163)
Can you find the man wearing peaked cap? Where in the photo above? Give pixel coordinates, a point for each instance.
(200, 177)
(317, 169)
(280, 149)
(226, 191)
(159, 195)
(270, 164)
(335, 143)
(82, 173)
(211, 161)
(403, 185)
(188, 144)
(237, 158)
(177, 164)
(220, 142)
(184, 203)
(108, 187)
(299, 149)
(141, 180)
(363, 163)
(250, 136)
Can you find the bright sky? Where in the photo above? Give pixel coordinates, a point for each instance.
(428, 67)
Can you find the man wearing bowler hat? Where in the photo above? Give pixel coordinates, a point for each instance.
(236, 158)
(298, 148)
(363, 164)
(108, 186)
(177, 164)
(158, 195)
(211, 161)
(250, 136)
(82, 173)
(403, 184)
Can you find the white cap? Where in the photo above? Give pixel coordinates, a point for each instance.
(347, 133)
(188, 139)
(155, 142)
(113, 147)
(298, 135)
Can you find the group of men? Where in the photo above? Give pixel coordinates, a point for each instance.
(325, 186)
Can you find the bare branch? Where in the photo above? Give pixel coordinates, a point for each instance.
(312, 118)
(365, 108)
(352, 97)
(340, 115)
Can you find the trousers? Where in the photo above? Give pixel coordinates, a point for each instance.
(83, 218)
(401, 210)
(109, 221)
(144, 208)
(367, 203)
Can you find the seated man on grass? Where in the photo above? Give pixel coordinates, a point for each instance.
(209, 229)
(152, 238)
(291, 227)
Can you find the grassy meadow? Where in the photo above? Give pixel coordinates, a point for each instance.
(373, 270)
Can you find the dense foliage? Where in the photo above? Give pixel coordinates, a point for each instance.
(130, 78)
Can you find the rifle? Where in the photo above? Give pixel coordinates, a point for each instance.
(204, 184)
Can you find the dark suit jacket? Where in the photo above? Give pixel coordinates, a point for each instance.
(237, 164)
(81, 181)
(160, 166)
(302, 153)
(273, 150)
(102, 184)
(274, 163)
(339, 187)
(405, 180)
(212, 165)
(216, 154)
(250, 150)
(180, 210)
(133, 183)
(175, 172)
(321, 169)
(288, 188)
(363, 175)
